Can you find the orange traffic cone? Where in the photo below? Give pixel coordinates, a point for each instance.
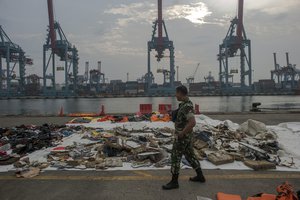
(102, 113)
(61, 112)
(197, 110)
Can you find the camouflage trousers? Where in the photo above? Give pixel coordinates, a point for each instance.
(184, 147)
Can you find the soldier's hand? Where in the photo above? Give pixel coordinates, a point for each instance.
(180, 135)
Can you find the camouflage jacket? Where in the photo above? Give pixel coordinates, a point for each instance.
(185, 111)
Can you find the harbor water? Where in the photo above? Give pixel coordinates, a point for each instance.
(131, 105)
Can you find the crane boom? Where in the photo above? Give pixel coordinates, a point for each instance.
(196, 70)
(51, 24)
(160, 39)
(240, 21)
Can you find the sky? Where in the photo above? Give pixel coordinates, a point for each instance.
(116, 32)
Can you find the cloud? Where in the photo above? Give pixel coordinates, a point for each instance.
(145, 12)
(142, 12)
(195, 12)
(29, 36)
(115, 41)
(273, 7)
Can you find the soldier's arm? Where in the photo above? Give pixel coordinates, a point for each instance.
(191, 122)
(190, 125)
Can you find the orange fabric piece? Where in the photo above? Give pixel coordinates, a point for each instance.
(223, 196)
(254, 198)
(286, 192)
(263, 197)
(106, 118)
(125, 119)
(157, 118)
(268, 197)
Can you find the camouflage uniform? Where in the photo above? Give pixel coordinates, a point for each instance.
(183, 146)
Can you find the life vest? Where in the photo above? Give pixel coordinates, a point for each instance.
(159, 118)
(223, 196)
(285, 192)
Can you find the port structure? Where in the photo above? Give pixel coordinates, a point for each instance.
(97, 78)
(286, 76)
(160, 42)
(166, 74)
(235, 44)
(13, 57)
(191, 78)
(57, 45)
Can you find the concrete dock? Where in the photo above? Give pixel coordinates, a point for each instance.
(271, 118)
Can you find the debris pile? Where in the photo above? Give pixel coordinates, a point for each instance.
(133, 145)
(110, 148)
(251, 143)
(18, 142)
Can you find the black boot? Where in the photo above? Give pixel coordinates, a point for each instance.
(173, 184)
(199, 177)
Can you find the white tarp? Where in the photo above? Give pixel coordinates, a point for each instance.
(288, 135)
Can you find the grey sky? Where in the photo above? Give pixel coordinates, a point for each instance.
(116, 32)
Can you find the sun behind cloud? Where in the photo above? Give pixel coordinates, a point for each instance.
(194, 12)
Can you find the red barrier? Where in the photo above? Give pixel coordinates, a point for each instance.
(197, 110)
(164, 108)
(145, 108)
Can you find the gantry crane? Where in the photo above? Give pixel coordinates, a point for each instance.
(235, 44)
(287, 76)
(166, 74)
(59, 46)
(191, 78)
(160, 42)
(14, 57)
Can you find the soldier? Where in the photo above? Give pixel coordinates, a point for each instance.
(184, 122)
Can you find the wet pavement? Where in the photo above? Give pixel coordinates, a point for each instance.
(139, 184)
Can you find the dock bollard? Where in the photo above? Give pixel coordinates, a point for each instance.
(197, 110)
(255, 107)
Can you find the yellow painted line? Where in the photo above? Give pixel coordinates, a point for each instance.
(254, 176)
(145, 176)
(142, 173)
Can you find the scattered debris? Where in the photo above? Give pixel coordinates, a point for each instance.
(252, 127)
(138, 144)
(28, 173)
(220, 158)
(259, 164)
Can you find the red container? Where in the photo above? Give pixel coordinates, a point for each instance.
(164, 108)
(145, 108)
